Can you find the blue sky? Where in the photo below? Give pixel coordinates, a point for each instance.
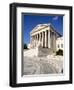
(30, 21)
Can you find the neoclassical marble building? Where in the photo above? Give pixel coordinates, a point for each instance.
(44, 35)
(59, 43)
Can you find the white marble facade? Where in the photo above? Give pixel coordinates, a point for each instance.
(44, 35)
(60, 43)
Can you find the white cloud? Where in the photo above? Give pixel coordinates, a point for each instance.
(55, 18)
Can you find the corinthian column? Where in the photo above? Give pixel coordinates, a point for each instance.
(42, 39)
(45, 39)
(49, 40)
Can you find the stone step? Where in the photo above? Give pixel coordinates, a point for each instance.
(39, 51)
(44, 51)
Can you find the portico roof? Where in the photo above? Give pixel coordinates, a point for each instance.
(42, 26)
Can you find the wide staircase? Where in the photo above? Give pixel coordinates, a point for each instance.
(39, 51)
(44, 51)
